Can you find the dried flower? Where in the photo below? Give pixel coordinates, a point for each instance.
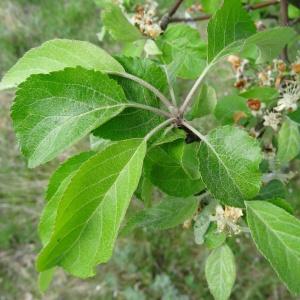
(145, 19)
(272, 119)
(235, 61)
(227, 219)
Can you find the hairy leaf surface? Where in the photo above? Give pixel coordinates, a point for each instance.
(92, 208)
(56, 55)
(277, 236)
(220, 272)
(229, 165)
(53, 111)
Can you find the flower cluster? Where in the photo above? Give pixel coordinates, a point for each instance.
(227, 219)
(145, 19)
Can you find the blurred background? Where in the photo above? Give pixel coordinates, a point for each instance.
(145, 265)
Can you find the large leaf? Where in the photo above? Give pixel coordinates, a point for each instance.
(277, 236)
(133, 122)
(58, 183)
(220, 272)
(181, 45)
(118, 25)
(230, 23)
(53, 111)
(169, 213)
(166, 169)
(229, 165)
(288, 141)
(56, 55)
(92, 208)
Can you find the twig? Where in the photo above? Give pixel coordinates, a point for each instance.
(158, 128)
(165, 20)
(148, 86)
(284, 21)
(207, 17)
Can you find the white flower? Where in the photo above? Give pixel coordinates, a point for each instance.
(227, 219)
(272, 119)
(290, 96)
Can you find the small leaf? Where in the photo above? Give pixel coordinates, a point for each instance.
(57, 55)
(229, 107)
(169, 213)
(92, 208)
(231, 23)
(214, 239)
(133, 122)
(181, 45)
(288, 141)
(277, 234)
(204, 104)
(51, 112)
(220, 272)
(229, 165)
(164, 167)
(45, 279)
(202, 223)
(118, 25)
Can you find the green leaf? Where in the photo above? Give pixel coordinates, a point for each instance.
(230, 24)
(270, 42)
(51, 112)
(169, 213)
(118, 25)
(204, 104)
(133, 122)
(277, 234)
(264, 94)
(214, 239)
(220, 272)
(295, 116)
(45, 279)
(229, 107)
(166, 170)
(282, 204)
(210, 6)
(274, 189)
(58, 183)
(288, 141)
(92, 208)
(57, 55)
(181, 45)
(202, 222)
(229, 165)
(231, 30)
